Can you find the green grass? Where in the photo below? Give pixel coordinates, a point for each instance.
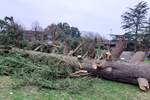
(147, 61)
(99, 90)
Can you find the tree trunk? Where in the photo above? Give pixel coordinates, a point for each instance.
(124, 72)
(143, 84)
(138, 56)
(117, 51)
(66, 48)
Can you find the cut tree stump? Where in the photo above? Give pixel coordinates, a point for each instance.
(143, 84)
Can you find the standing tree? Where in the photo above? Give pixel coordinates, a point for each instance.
(75, 32)
(11, 33)
(133, 20)
(53, 32)
(61, 31)
(36, 26)
(37, 29)
(146, 36)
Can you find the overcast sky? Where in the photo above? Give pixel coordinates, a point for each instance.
(102, 16)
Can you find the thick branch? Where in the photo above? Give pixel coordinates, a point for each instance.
(138, 56)
(117, 51)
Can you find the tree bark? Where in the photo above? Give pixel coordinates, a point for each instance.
(124, 72)
(138, 56)
(117, 51)
(66, 48)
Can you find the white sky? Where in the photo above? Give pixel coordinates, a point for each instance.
(102, 16)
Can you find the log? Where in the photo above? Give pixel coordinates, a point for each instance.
(117, 51)
(133, 57)
(143, 84)
(112, 70)
(126, 55)
(124, 72)
(138, 56)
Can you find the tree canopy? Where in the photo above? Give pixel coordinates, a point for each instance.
(11, 33)
(134, 19)
(134, 22)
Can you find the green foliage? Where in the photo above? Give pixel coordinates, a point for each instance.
(134, 19)
(134, 23)
(40, 72)
(73, 42)
(61, 31)
(10, 32)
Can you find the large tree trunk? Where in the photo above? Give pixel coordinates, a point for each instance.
(111, 70)
(124, 72)
(138, 56)
(66, 48)
(117, 51)
(133, 57)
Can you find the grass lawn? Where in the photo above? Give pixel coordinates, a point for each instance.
(100, 90)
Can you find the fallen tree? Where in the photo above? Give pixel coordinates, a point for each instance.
(117, 51)
(127, 72)
(138, 56)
